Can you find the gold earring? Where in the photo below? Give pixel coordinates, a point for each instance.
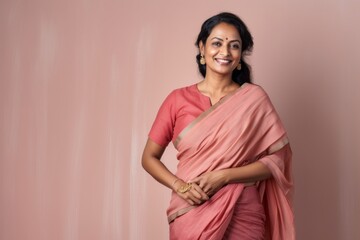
(238, 67)
(202, 60)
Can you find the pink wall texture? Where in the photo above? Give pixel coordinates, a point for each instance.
(81, 81)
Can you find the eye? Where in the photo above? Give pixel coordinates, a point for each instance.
(235, 46)
(216, 44)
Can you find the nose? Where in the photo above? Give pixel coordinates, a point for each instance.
(224, 51)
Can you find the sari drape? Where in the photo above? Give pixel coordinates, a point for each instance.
(241, 128)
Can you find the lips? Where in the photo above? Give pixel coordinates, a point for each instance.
(223, 61)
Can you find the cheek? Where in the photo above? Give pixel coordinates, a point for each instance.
(237, 52)
(211, 51)
(237, 55)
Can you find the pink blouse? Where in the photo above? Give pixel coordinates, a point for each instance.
(180, 108)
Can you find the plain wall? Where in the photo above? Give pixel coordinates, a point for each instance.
(81, 82)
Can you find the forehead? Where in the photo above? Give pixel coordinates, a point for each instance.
(225, 31)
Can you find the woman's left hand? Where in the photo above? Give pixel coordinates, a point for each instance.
(211, 182)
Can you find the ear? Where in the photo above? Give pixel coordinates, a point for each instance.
(201, 48)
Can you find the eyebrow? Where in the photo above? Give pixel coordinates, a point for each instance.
(220, 39)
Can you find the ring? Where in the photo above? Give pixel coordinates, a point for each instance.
(185, 188)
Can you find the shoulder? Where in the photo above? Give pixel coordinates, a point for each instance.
(261, 97)
(182, 92)
(179, 95)
(256, 89)
(258, 95)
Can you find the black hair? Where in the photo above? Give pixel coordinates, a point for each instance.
(238, 76)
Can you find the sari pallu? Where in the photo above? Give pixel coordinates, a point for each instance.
(241, 128)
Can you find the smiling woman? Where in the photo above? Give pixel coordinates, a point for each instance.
(233, 180)
(221, 53)
(223, 48)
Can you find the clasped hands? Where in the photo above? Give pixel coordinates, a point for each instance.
(200, 189)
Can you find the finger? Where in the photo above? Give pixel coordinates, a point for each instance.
(195, 192)
(194, 199)
(200, 197)
(196, 180)
(201, 193)
(210, 193)
(190, 202)
(191, 196)
(188, 197)
(199, 181)
(207, 188)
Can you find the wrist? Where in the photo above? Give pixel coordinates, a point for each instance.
(176, 184)
(225, 176)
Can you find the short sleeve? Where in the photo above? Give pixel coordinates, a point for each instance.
(162, 129)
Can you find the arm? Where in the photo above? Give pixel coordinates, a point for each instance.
(152, 164)
(211, 182)
(253, 172)
(258, 170)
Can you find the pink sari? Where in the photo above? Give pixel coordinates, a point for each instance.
(241, 128)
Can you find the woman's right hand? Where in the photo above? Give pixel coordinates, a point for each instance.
(194, 196)
(152, 164)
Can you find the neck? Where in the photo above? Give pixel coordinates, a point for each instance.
(216, 88)
(217, 85)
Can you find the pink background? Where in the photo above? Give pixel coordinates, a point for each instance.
(81, 81)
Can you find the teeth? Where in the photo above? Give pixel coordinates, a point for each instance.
(223, 60)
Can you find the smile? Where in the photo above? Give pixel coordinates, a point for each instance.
(223, 61)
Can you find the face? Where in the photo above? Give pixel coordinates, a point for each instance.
(222, 50)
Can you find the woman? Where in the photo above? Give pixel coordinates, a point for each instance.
(233, 178)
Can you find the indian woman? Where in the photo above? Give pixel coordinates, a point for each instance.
(233, 179)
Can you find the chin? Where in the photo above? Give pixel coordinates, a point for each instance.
(224, 72)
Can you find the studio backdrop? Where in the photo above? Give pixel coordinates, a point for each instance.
(81, 82)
